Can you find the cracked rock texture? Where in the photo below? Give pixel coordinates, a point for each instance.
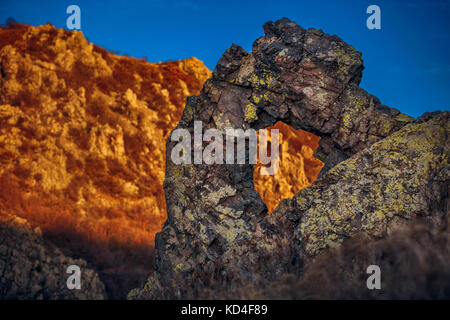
(382, 168)
(32, 268)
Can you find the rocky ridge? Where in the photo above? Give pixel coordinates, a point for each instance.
(32, 268)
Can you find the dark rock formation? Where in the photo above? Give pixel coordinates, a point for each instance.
(31, 268)
(218, 234)
(414, 263)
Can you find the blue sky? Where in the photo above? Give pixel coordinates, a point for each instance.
(407, 61)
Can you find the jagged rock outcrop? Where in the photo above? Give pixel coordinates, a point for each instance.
(398, 178)
(31, 268)
(382, 168)
(82, 144)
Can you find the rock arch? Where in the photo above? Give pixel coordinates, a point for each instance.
(305, 78)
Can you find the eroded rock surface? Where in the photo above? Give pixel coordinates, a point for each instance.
(218, 234)
(377, 191)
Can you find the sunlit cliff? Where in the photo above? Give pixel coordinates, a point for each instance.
(298, 168)
(82, 144)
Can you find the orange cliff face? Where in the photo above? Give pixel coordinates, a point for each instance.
(82, 144)
(298, 168)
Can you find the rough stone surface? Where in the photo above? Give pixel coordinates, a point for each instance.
(31, 268)
(385, 166)
(377, 191)
(414, 262)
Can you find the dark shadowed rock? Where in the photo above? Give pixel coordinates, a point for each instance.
(414, 263)
(386, 167)
(32, 268)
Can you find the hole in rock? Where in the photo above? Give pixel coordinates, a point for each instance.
(298, 168)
